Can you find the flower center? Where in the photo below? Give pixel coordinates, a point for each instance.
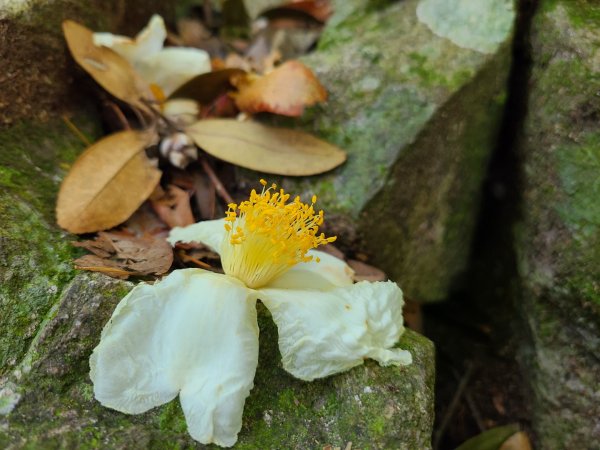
(266, 235)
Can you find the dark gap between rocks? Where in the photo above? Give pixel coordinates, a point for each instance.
(477, 331)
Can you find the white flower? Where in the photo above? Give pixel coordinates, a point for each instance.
(167, 68)
(195, 333)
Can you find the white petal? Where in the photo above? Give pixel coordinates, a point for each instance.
(325, 332)
(194, 333)
(148, 41)
(182, 111)
(173, 66)
(329, 272)
(208, 232)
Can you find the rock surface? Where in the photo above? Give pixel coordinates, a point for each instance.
(559, 236)
(51, 318)
(418, 113)
(51, 398)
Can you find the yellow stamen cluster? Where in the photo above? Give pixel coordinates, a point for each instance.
(268, 234)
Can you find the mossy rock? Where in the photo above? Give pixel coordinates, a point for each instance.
(558, 238)
(418, 114)
(52, 405)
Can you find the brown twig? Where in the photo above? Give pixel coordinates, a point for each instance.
(140, 117)
(76, 131)
(215, 181)
(120, 116)
(462, 385)
(472, 406)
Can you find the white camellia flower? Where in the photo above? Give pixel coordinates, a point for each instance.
(167, 68)
(195, 334)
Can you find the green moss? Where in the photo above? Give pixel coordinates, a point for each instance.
(35, 256)
(418, 117)
(582, 13)
(395, 410)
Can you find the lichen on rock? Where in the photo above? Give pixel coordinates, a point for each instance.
(558, 238)
(369, 405)
(419, 116)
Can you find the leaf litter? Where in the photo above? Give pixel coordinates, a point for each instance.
(169, 165)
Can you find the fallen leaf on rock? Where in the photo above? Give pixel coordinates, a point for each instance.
(122, 256)
(107, 183)
(145, 222)
(266, 149)
(174, 207)
(287, 90)
(366, 272)
(333, 251)
(113, 72)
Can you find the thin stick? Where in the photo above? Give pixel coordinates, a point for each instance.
(120, 116)
(452, 407)
(140, 116)
(76, 131)
(472, 406)
(216, 182)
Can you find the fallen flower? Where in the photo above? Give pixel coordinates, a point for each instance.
(167, 68)
(195, 333)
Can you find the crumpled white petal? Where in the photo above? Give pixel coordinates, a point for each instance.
(194, 333)
(326, 274)
(207, 232)
(147, 42)
(173, 66)
(325, 332)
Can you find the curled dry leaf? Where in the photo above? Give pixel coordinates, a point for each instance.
(266, 149)
(113, 72)
(287, 90)
(173, 207)
(107, 183)
(121, 256)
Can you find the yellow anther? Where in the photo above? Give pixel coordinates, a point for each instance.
(270, 236)
(263, 182)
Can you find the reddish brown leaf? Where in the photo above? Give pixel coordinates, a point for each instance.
(121, 256)
(174, 207)
(287, 90)
(366, 272)
(319, 10)
(107, 183)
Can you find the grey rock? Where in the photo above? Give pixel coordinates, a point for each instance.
(417, 110)
(558, 238)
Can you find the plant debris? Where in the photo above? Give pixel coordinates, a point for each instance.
(121, 256)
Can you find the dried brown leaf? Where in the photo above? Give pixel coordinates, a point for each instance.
(319, 10)
(287, 90)
(259, 147)
(129, 255)
(107, 183)
(366, 272)
(113, 72)
(174, 207)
